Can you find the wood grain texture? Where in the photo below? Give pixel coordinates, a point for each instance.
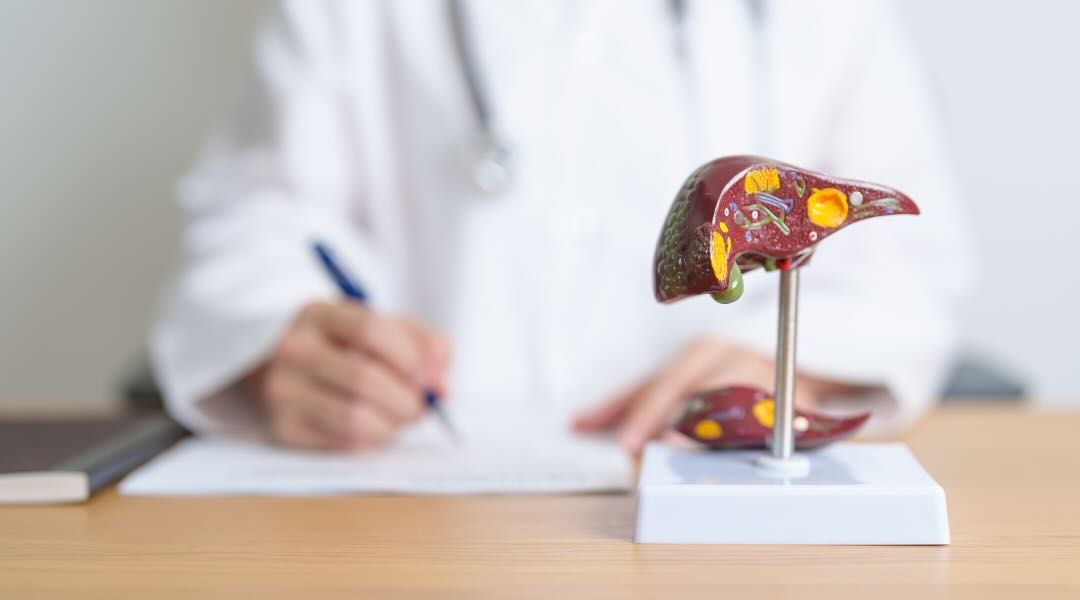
(1012, 480)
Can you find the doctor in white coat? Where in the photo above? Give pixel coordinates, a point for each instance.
(516, 275)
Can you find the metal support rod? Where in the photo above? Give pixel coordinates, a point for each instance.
(783, 438)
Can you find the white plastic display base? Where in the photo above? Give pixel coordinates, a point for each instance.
(852, 494)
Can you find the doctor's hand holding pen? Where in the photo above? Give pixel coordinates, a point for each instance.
(344, 377)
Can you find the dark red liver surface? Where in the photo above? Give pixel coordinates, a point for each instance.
(733, 410)
(715, 200)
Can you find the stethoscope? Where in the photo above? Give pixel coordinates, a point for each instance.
(493, 156)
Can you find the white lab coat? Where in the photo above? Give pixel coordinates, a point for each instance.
(356, 131)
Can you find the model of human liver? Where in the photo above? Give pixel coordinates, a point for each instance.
(740, 213)
(742, 417)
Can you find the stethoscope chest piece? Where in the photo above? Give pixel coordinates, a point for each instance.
(491, 155)
(492, 163)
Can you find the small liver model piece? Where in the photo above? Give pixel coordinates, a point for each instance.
(743, 417)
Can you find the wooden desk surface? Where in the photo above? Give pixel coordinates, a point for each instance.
(1012, 480)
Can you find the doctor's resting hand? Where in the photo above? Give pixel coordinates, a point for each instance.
(644, 410)
(343, 377)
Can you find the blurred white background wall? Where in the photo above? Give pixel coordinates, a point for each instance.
(104, 103)
(1009, 73)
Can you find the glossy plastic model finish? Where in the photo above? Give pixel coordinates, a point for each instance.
(743, 417)
(739, 213)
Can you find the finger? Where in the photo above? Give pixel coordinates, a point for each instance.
(342, 321)
(400, 400)
(368, 427)
(394, 345)
(744, 368)
(291, 429)
(309, 353)
(386, 339)
(437, 354)
(612, 411)
(293, 392)
(307, 415)
(435, 344)
(357, 375)
(310, 357)
(655, 405)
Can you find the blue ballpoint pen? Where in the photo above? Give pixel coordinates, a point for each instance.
(351, 288)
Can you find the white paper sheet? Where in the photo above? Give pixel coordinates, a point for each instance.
(497, 456)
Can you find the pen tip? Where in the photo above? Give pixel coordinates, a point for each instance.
(431, 399)
(448, 426)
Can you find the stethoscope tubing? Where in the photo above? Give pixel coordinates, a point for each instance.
(493, 167)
